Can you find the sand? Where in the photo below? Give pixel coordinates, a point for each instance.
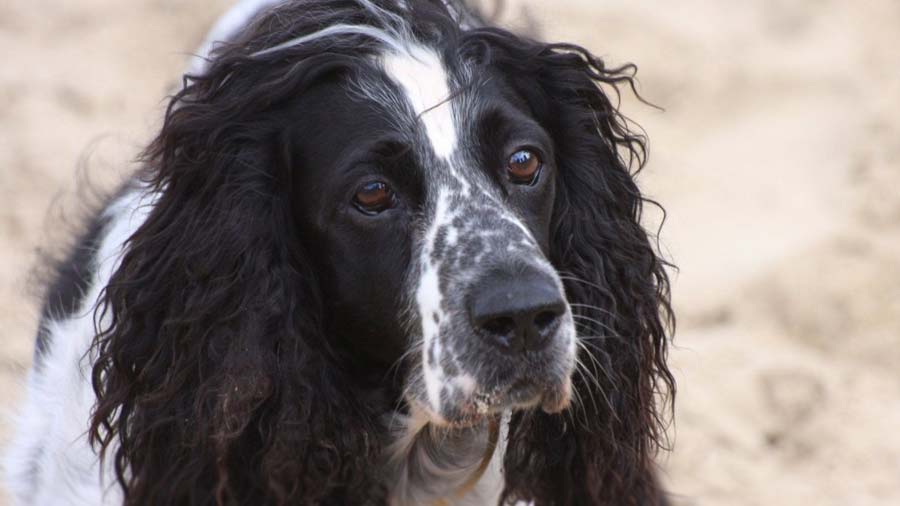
(777, 158)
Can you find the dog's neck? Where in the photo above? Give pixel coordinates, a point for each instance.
(435, 466)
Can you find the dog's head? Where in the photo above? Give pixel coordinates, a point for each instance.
(360, 192)
(424, 189)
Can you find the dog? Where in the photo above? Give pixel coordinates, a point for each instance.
(381, 252)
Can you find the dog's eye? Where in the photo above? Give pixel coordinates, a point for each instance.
(374, 197)
(524, 166)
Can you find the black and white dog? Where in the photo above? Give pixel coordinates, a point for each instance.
(380, 253)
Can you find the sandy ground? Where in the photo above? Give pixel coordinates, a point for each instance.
(777, 158)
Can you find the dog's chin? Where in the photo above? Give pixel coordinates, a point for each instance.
(483, 405)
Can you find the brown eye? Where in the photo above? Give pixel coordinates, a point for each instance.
(373, 197)
(523, 166)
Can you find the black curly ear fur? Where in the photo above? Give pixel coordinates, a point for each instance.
(600, 452)
(213, 372)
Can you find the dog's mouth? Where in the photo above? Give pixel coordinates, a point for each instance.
(523, 394)
(484, 404)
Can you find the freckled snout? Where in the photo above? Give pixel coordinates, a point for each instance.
(516, 312)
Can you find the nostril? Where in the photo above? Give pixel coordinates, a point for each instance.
(500, 326)
(545, 319)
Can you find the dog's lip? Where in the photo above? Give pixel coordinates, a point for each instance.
(552, 398)
(557, 399)
(519, 395)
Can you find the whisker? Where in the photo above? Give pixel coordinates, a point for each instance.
(395, 367)
(579, 280)
(602, 325)
(595, 361)
(583, 373)
(582, 368)
(593, 307)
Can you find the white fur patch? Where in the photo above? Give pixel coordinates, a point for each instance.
(226, 28)
(464, 385)
(49, 461)
(429, 298)
(337, 30)
(407, 454)
(421, 75)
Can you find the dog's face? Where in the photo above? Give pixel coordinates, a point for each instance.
(425, 198)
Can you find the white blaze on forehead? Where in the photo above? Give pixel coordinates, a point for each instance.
(421, 75)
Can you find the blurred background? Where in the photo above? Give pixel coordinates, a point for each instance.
(777, 157)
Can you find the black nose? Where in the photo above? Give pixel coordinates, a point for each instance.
(517, 312)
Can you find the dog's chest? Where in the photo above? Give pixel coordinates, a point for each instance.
(441, 469)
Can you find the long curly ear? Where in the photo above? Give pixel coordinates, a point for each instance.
(599, 452)
(215, 382)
